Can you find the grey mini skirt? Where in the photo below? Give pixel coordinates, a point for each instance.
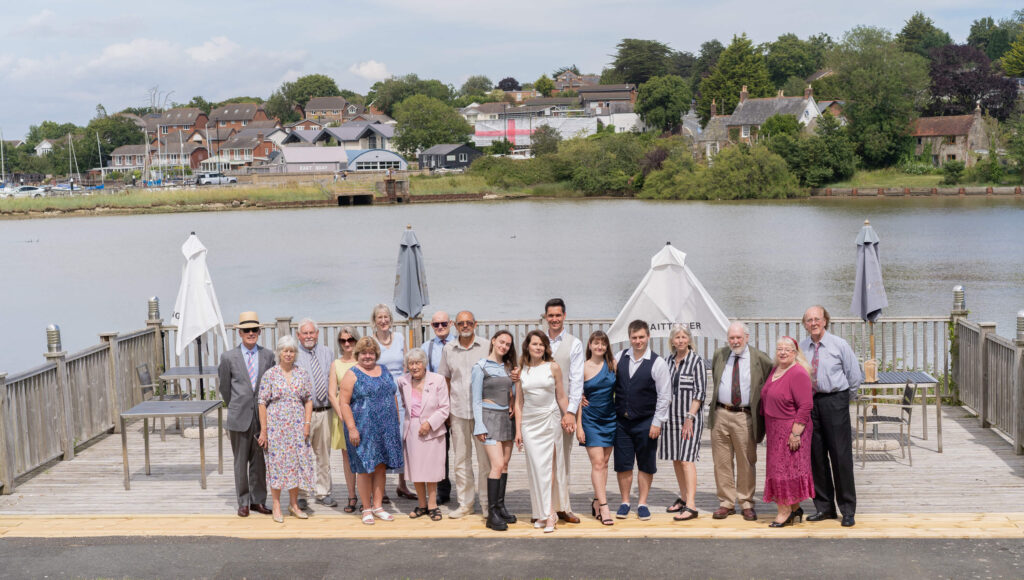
(499, 425)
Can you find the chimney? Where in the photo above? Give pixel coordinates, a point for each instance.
(714, 108)
(743, 94)
(808, 92)
(781, 93)
(259, 136)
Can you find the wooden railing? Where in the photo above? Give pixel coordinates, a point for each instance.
(989, 371)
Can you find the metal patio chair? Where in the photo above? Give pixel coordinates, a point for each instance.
(902, 412)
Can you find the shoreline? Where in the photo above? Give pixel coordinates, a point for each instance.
(242, 203)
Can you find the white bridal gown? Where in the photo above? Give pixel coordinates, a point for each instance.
(541, 434)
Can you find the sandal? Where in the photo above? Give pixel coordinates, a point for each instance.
(677, 506)
(419, 512)
(435, 515)
(351, 507)
(380, 514)
(368, 517)
(606, 521)
(690, 514)
(594, 507)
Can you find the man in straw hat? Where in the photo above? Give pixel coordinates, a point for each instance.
(239, 376)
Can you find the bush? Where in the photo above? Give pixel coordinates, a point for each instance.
(988, 170)
(738, 172)
(952, 172)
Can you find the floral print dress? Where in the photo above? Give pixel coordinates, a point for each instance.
(289, 457)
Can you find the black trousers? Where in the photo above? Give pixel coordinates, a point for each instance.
(832, 453)
(444, 487)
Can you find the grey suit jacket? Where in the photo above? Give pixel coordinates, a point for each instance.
(760, 366)
(236, 389)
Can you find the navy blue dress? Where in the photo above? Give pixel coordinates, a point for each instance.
(599, 415)
(376, 419)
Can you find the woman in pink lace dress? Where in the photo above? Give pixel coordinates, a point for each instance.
(786, 401)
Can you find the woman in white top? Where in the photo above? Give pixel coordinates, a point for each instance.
(392, 358)
(540, 403)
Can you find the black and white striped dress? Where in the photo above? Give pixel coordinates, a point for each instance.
(689, 383)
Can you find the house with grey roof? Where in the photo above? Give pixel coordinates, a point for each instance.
(597, 99)
(750, 114)
(448, 156)
(363, 135)
(299, 159)
(332, 110)
(237, 115)
(129, 157)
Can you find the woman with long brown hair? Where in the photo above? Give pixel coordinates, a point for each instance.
(595, 423)
(492, 390)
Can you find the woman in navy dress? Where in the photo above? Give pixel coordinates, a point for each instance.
(595, 423)
(370, 410)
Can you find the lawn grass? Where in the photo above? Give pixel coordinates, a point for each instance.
(469, 183)
(138, 198)
(889, 178)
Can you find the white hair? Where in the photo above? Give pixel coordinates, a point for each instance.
(415, 354)
(286, 342)
(306, 321)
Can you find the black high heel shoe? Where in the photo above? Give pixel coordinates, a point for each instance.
(593, 508)
(789, 520)
(798, 515)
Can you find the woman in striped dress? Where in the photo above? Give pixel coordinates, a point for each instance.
(680, 436)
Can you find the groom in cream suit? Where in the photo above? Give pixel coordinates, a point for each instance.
(239, 377)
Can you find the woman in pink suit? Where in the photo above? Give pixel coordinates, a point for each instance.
(425, 396)
(786, 401)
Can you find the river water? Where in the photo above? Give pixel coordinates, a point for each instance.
(503, 259)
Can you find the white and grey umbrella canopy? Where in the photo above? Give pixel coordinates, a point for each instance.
(671, 294)
(868, 290)
(196, 309)
(411, 278)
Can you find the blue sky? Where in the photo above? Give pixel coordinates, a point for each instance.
(58, 60)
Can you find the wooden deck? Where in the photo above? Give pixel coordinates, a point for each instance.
(977, 473)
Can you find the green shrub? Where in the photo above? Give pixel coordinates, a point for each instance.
(952, 171)
(988, 170)
(738, 172)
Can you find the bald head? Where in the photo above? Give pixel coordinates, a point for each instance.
(466, 325)
(441, 324)
(816, 321)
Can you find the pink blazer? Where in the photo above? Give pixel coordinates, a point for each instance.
(435, 403)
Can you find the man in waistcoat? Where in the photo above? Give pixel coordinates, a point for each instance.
(239, 377)
(738, 372)
(317, 360)
(567, 351)
(456, 366)
(835, 376)
(442, 327)
(642, 398)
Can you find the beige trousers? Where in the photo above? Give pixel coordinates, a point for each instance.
(462, 467)
(730, 440)
(320, 440)
(562, 471)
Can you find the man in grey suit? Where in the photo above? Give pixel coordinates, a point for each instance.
(738, 371)
(239, 376)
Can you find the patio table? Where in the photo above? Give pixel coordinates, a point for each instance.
(163, 409)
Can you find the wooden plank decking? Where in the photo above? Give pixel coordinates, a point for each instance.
(977, 473)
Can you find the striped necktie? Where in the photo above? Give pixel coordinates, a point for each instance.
(318, 377)
(250, 365)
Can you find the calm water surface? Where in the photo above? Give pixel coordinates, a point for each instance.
(504, 259)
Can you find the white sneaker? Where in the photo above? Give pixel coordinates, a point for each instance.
(461, 511)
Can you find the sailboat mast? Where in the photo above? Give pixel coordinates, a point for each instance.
(3, 166)
(99, 151)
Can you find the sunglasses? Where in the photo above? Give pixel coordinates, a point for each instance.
(466, 323)
(440, 324)
(250, 331)
(348, 340)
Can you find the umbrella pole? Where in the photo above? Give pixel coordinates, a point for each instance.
(199, 359)
(874, 375)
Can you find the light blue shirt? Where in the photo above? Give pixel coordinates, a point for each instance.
(304, 359)
(490, 368)
(838, 369)
(434, 349)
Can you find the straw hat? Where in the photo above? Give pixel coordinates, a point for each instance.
(248, 320)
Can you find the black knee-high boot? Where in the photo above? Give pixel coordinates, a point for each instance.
(502, 511)
(494, 519)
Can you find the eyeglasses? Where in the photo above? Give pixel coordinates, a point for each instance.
(784, 350)
(440, 325)
(465, 323)
(250, 331)
(348, 340)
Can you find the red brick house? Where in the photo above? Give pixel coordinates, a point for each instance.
(245, 148)
(237, 115)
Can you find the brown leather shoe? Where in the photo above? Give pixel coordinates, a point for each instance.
(569, 517)
(243, 512)
(722, 513)
(749, 514)
(261, 509)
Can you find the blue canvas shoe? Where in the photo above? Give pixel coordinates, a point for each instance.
(623, 511)
(643, 513)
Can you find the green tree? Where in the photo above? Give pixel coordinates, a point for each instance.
(48, 130)
(1015, 143)
(681, 64)
(306, 87)
(707, 58)
(920, 35)
(638, 60)
(544, 85)
(545, 140)
(201, 104)
(571, 68)
(885, 88)
(279, 106)
(818, 159)
(779, 125)
(788, 56)
(508, 84)
(424, 121)
(387, 94)
(995, 38)
(794, 87)
(610, 76)
(739, 65)
(476, 85)
(661, 102)
(1013, 60)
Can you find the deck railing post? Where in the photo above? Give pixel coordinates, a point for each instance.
(1018, 386)
(987, 328)
(66, 415)
(959, 312)
(114, 389)
(284, 327)
(155, 324)
(6, 463)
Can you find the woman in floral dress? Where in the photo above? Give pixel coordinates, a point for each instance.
(286, 406)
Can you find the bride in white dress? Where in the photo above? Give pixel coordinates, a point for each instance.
(540, 402)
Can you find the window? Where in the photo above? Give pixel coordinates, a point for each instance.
(463, 157)
(920, 141)
(949, 140)
(449, 158)
(950, 157)
(745, 131)
(244, 123)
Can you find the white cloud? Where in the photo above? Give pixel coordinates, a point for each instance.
(217, 48)
(44, 18)
(370, 70)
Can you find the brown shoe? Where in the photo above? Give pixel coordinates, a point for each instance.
(750, 515)
(261, 509)
(722, 513)
(243, 512)
(569, 517)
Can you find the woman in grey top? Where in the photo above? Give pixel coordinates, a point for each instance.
(492, 391)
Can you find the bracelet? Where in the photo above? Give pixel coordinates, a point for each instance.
(794, 435)
(305, 423)
(691, 416)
